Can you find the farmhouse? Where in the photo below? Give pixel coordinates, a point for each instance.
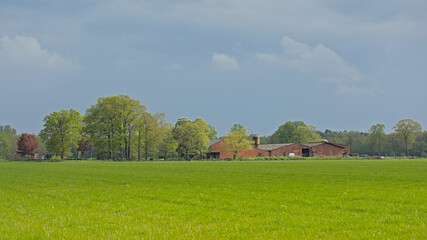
(218, 150)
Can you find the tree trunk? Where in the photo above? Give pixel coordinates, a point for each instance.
(129, 146)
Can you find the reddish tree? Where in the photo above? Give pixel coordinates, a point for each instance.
(27, 144)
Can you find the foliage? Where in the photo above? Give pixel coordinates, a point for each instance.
(42, 146)
(55, 159)
(7, 129)
(212, 133)
(27, 144)
(237, 140)
(5, 147)
(295, 132)
(383, 199)
(62, 131)
(202, 131)
(83, 146)
(148, 134)
(183, 133)
(169, 144)
(407, 130)
(110, 124)
(8, 141)
(377, 137)
(192, 138)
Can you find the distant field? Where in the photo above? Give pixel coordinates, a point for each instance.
(383, 199)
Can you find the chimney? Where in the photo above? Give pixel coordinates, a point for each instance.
(255, 138)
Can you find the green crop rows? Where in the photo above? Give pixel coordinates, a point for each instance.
(384, 199)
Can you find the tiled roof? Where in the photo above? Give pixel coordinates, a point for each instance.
(320, 143)
(270, 147)
(215, 141)
(312, 144)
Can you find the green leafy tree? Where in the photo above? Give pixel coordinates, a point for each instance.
(169, 144)
(7, 129)
(62, 131)
(237, 140)
(147, 129)
(294, 132)
(129, 109)
(183, 133)
(5, 147)
(8, 142)
(104, 128)
(377, 137)
(202, 131)
(285, 132)
(306, 133)
(407, 130)
(212, 132)
(420, 146)
(110, 125)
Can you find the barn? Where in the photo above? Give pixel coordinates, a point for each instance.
(217, 149)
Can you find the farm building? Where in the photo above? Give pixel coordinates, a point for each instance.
(218, 150)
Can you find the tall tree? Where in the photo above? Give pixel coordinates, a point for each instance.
(294, 132)
(27, 144)
(130, 109)
(212, 132)
(7, 129)
(183, 133)
(8, 140)
(62, 131)
(5, 147)
(377, 137)
(237, 140)
(147, 128)
(110, 124)
(407, 130)
(202, 131)
(307, 133)
(169, 144)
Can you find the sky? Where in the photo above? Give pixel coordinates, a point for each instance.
(334, 64)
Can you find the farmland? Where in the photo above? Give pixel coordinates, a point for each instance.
(214, 200)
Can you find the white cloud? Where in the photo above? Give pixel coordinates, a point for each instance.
(224, 62)
(320, 63)
(321, 60)
(26, 53)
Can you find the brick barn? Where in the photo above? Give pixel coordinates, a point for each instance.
(217, 149)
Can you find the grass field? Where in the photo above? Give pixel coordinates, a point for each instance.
(383, 199)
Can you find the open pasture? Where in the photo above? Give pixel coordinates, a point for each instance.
(383, 199)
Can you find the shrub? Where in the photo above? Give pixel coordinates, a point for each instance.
(55, 159)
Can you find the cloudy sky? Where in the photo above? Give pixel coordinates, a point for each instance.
(334, 64)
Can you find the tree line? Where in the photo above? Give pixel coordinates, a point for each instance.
(408, 139)
(121, 128)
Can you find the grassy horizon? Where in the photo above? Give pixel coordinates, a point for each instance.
(211, 200)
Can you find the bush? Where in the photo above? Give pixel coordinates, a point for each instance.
(55, 159)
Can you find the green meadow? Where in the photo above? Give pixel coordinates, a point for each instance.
(364, 199)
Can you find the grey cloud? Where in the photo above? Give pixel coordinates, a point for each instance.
(26, 53)
(320, 63)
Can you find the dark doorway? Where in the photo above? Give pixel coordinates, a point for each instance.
(212, 155)
(306, 152)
